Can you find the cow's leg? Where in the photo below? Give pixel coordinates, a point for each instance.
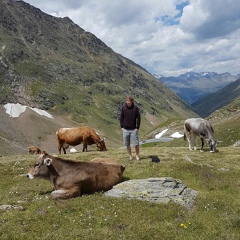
(64, 147)
(189, 138)
(84, 146)
(59, 148)
(202, 140)
(189, 143)
(194, 136)
(64, 194)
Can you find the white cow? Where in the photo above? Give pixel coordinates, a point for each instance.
(194, 127)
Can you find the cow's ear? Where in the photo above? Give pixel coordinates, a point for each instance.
(48, 161)
(44, 153)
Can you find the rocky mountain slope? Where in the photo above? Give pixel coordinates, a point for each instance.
(208, 104)
(30, 128)
(53, 64)
(192, 86)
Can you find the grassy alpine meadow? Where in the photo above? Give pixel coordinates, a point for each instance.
(32, 214)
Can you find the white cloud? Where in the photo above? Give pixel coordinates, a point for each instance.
(211, 19)
(165, 37)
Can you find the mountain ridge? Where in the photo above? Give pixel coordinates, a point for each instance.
(192, 86)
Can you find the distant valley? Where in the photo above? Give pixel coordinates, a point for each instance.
(192, 86)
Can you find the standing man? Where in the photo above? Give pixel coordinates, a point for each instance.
(130, 123)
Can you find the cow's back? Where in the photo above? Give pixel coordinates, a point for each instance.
(33, 149)
(196, 125)
(71, 135)
(199, 126)
(105, 160)
(103, 178)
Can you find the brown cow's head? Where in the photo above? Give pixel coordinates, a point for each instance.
(41, 167)
(101, 145)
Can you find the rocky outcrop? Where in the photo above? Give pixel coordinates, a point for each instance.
(158, 190)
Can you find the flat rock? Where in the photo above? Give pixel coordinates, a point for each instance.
(158, 190)
(10, 207)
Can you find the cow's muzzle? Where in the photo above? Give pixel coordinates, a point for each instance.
(30, 176)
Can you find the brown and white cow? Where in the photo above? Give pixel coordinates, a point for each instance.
(72, 179)
(75, 136)
(34, 150)
(194, 127)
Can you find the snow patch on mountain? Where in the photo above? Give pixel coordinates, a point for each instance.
(14, 110)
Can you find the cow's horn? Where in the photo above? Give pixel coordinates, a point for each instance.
(48, 161)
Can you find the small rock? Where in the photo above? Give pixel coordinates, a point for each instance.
(10, 207)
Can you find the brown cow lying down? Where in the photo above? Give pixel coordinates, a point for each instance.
(71, 178)
(34, 150)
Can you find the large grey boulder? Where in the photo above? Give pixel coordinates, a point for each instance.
(159, 190)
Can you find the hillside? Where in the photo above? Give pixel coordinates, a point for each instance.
(30, 128)
(53, 64)
(192, 86)
(226, 123)
(206, 105)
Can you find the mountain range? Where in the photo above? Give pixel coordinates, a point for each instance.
(192, 86)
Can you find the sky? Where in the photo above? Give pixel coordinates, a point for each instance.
(167, 37)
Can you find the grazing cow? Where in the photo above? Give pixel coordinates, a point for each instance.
(75, 136)
(34, 150)
(72, 179)
(194, 127)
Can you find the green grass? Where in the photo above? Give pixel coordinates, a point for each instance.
(215, 214)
